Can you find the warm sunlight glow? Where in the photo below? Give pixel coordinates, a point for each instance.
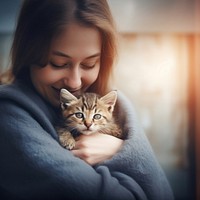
(152, 71)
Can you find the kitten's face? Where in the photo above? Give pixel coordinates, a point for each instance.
(89, 113)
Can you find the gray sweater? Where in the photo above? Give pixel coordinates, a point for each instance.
(33, 165)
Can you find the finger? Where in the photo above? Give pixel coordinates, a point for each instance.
(83, 142)
(78, 145)
(84, 156)
(75, 152)
(80, 154)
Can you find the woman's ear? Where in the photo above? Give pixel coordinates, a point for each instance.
(109, 100)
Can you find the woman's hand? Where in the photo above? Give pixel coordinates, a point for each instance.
(96, 148)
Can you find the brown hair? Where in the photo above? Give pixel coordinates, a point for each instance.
(40, 21)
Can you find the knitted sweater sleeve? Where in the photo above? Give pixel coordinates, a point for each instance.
(34, 166)
(136, 159)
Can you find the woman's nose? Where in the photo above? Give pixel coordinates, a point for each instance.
(73, 79)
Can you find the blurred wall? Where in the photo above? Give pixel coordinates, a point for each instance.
(151, 16)
(8, 15)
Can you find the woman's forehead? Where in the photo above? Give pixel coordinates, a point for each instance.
(75, 40)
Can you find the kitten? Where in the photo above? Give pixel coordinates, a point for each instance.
(87, 114)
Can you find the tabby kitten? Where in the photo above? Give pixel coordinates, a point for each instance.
(87, 114)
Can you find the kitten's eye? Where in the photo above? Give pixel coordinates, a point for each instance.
(97, 116)
(79, 115)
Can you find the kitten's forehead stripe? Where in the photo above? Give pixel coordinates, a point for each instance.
(89, 101)
(94, 107)
(82, 108)
(85, 106)
(95, 111)
(78, 108)
(84, 101)
(105, 118)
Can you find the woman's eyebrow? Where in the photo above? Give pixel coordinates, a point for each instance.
(58, 53)
(93, 56)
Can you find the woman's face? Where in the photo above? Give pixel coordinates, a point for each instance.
(74, 63)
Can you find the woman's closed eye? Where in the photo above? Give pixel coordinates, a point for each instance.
(84, 65)
(60, 65)
(88, 65)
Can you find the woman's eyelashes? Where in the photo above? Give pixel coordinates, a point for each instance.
(59, 65)
(88, 65)
(67, 65)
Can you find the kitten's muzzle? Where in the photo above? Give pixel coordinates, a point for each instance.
(87, 124)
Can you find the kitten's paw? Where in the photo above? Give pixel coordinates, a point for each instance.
(68, 143)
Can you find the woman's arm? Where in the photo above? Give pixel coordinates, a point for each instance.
(96, 148)
(34, 165)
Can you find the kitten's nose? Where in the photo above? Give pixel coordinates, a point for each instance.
(87, 124)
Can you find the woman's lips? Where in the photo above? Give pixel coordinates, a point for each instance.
(57, 91)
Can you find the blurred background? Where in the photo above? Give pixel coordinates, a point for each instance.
(159, 70)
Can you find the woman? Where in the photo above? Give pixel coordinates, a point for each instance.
(68, 44)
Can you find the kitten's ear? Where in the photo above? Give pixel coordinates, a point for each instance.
(110, 100)
(66, 98)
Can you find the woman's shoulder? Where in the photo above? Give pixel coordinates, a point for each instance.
(123, 99)
(14, 90)
(19, 95)
(20, 92)
(16, 95)
(124, 106)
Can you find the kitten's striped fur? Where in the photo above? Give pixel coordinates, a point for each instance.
(87, 114)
